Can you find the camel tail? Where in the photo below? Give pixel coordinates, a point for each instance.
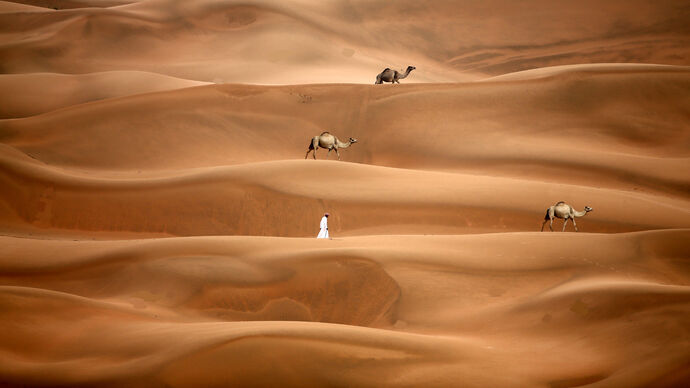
(546, 217)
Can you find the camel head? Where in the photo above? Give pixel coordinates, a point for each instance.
(353, 141)
(588, 209)
(410, 68)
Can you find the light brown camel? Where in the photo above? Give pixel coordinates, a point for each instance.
(564, 211)
(328, 141)
(392, 76)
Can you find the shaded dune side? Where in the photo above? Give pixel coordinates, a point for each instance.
(322, 290)
(612, 289)
(622, 128)
(69, 4)
(203, 279)
(14, 7)
(497, 37)
(98, 163)
(216, 41)
(121, 349)
(30, 94)
(344, 41)
(284, 198)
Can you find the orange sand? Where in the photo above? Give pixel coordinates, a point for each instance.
(157, 216)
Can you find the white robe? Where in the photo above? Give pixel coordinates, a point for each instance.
(323, 233)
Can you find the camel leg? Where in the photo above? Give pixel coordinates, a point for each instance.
(314, 154)
(307, 155)
(550, 217)
(564, 224)
(337, 153)
(551, 223)
(575, 225)
(329, 152)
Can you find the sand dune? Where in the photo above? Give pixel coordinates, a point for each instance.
(32, 94)
(157, 216)
(434, 297)
(12, 7)
(623, 127)
(285, 197)
(342, 41)
(70, 4)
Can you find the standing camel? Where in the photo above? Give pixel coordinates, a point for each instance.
(328, 141)
(392, 76)
(564, 211)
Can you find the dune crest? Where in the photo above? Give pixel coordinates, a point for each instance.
(448, 289)
(158, 216)
(267, 199)
(33, 94)
(341, 41)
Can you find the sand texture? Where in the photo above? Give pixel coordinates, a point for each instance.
(158, 215)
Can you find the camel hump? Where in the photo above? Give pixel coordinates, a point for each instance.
(325, 133)
(560, 203)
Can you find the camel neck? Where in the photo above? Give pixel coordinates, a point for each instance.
(579, 214)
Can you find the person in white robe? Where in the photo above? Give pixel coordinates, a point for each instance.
(323, 233)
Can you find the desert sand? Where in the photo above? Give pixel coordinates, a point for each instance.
(158, 217)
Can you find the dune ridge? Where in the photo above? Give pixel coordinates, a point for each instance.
(33, 94)
(70, 4)
(265, 199)
(584, 290)
(157, 216)
(346, 35)
(538, 130)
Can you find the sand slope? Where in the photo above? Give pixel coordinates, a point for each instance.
(32, 94)
(283, 198)
(426, 310)
(157, 215)
(596, 121)
(342, 41)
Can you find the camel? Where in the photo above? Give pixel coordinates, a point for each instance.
(564, 211)
(392, 76)
(328, 141)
